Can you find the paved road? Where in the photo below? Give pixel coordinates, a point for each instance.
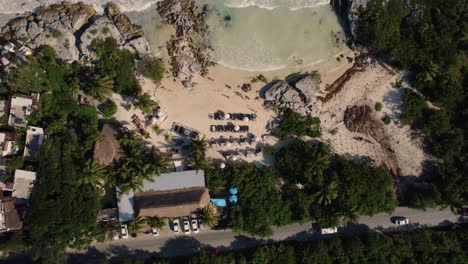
(170, 244)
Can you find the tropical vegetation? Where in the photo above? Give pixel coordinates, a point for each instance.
(429, 39)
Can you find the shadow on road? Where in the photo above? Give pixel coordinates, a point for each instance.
(113, 254)
(181, 245)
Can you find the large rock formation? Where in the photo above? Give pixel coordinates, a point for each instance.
(187, 52)
(70, 28)
(118, 26)
(308, 87)
(298, 96)
(53, 25)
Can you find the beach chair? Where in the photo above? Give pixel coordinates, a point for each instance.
(242, 139)
(213, 128)
(212, 141)
(219, 128)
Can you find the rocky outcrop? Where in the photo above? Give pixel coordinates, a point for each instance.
(70, 28)
(53, 25)
(308, 87)
(118, 26)
(188, 56)
(349, 9)
(299, 96)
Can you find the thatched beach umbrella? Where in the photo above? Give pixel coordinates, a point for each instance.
(236, 128)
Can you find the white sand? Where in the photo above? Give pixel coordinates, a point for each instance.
(373, 85)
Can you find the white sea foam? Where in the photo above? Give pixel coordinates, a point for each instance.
(20, 6)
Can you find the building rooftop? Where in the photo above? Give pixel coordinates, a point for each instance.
(9, 217)
(174, 181)
(20, 108)
(34, 137)
(107, 148)
(23, 183)
(171, 203)
(7, 144)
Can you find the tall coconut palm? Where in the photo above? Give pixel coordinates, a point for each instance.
(157, 222)
(145, 103)
(209, 216)
(136, 226)
(93, 173)
(101, 87)
(349, 215)
(199, 162)
(199, 145)
(130, 139)
(319, 159)
(159, 161)
(327, 194)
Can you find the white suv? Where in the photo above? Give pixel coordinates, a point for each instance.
(186, 227)
(401, 221)
(194, 224)
(124, 231)
(175, 225)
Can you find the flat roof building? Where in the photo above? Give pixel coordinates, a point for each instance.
(20, 108)
(34, 137)
(23, 184)
(9, 217)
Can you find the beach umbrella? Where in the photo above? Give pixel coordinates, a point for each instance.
(233, 190)
(246, 119)
(186, 132)
(159, 113)
(227, 116)
(236, 128)
(233, 198)
(228, 144)
(222, 165)
(234, 158)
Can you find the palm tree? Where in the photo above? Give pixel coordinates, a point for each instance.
(101, 87)
(159, 161)
(209, 216)
(319, 159)
(136, 225)
(157, 222)
(145, 103)
(349, 215)
(326, 195)
(200, 163)
(130, 139)
(199, 145)
(93, 173)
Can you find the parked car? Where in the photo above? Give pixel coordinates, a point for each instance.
(154, 232)
(331, 230)
(194, 224)
(176, 226)
(186, 227)
(200, 224)
(124, 231)
(401, 221)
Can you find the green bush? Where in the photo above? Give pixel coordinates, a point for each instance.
(378, 106)
(152, 68)
(56, 33)
(109, 108)
(387, 120)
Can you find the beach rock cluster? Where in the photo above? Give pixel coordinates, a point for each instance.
(70, 27)
(298, 96)
(118, 26)
(188, 56)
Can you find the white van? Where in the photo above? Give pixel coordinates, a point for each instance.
(326, 231)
